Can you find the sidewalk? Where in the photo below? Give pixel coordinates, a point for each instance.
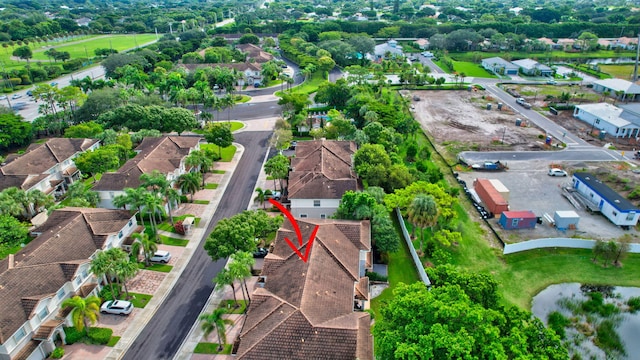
(172, 277)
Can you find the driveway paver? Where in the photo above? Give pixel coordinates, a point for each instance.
(146, 282)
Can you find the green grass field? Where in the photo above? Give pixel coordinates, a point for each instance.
(139, 300)
(469, 68)
(540, 56)
(619, 71)
(309, 86)
(86, 48)
(227, 153)
(211, 348)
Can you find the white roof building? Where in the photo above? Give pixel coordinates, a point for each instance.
(619, 122)
(629, 89)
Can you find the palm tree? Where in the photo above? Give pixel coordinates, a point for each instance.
(154, 204)
(172, 196)
(189, 183)
(261, 197)
(145, 244)
(215, 321)
(240, 268)
(225, 277)
(85, 311)
(126, 270)
(423, 212)
(198, 159)
(105, 264)
(134, 197)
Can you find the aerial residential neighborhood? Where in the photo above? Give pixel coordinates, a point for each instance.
(326, 180)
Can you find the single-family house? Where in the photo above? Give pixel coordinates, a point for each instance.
(618, 88)
(165, 154)
(546, 41)
(625, 43)
(500, 66)
(387, 50)
(254, 53)
(612, 205)
(423, 44)
(312, 309)
(533, 68)
(83, 21)
(251, 72)
(566, 44)
(51, 268)
(47, 167)
(618, 121)
(321, 172)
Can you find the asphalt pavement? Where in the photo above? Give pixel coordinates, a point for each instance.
(165, 332)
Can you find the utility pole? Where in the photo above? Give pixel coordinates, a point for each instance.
(170, 28)
(635, 66)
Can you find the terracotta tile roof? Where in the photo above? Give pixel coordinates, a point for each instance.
(305, 310)
(44, 265)
(162, 153)
(27, 350)
(322, 169)
(255, 52)
(237, 66)
(41, 157)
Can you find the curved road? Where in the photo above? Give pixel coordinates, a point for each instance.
(163, 334)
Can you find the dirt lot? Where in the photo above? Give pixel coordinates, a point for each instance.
(459, 120)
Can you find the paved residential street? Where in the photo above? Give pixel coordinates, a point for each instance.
(166, 330)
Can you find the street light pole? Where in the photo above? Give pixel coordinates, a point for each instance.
(503, 133)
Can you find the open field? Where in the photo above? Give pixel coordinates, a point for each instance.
(619, 71)
(469, 68)
(86, 48)
(6, 53)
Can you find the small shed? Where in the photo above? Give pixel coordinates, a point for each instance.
(187, 223)
(510, 220)
(503, 190)
(566, 219)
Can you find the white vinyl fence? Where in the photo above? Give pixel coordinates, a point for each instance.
(557, 242)
(412, 250)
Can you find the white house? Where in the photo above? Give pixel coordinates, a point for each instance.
(321, 172)
(619, 122)
(390, 49)
(251, 72)
(47, 167)
(618, 88)
(533, 68)
(498, 65)
(51, 268)
(165, 154)
(612, 205)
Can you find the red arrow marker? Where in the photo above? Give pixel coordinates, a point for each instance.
(296, 227)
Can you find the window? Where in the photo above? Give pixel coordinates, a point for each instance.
(615, 213)
(120, 235)
(316, 203)
(323, 216)
(43, 313)
(630, 216)
(303, 216)
(598, 121)
(130, 222)
(78, 280)
(20, 334)
(61, 294)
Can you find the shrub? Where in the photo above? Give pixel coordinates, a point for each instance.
(73, 335)
(634, 304)
(557, 323)
(106, 294)
(441, 256)
(375, 276)
(100, 336)
(179, 227)
(57, 353)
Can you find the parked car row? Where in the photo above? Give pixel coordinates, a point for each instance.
(484, 213)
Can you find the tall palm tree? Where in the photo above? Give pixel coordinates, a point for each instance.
(134, 197)
(126, 270)
(423, 212)
(145, 244)
(215, 321)
(189, 183)
(154, 205)
(225, 277)
(105, 263)
(172, 196)
(154, 181)
(261, 197)
(240, 268)
(198, 159)
(85, 311)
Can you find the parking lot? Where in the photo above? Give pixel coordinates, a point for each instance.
(530, 188)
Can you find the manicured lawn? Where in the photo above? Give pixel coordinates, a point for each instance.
(166, 226)
(6, 53)
(236, 125)
(201, 202)
(86, 49)
(243, 99)
(230, 306)
(159, 268)
(308, 86)
(166, 240)
(139, 300)
(210, 186)
(218, 171)
(470, 69)
(211, 348)
(401, 269)
(227, 152)
(113, 341)
(619, 71)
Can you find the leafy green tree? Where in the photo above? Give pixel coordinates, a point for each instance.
(134, 197)
(143, 244)
(15, 132)
(278, 168)
(262, 223)
(481, 288)
(97, 161)
(215, 321)
(249, 39)
(126, 270)
(218, 134)
(12, 231)
(228, 237)
(372, 164)
(89, 130)
(23, 52)
(200, 160)
(356, 206)
(402, 198)
(85, 311)
(423, 213)
(453, 326)
(79, 191)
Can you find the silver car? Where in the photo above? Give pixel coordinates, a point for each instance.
(161, 256)
(557, 172)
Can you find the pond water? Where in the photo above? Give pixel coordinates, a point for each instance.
(628, 324)
(608, 61)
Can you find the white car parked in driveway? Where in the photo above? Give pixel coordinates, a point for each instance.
(117, 307)
(161, 256)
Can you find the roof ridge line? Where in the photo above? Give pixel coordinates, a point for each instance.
(282, 301)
